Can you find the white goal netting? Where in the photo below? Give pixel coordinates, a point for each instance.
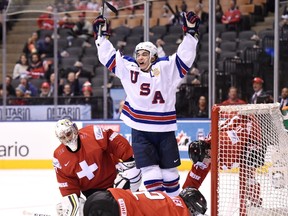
(252, 160)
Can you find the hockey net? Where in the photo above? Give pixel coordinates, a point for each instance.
(249, 161)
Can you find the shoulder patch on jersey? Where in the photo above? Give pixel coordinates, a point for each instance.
(156, 72)
(56, 163)
(98, 132)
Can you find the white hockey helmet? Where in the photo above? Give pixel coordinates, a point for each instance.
(67, 132)
(150, 47)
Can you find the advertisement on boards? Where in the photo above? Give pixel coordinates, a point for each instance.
(30, 145)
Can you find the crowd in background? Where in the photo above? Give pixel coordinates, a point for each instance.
(36, 62)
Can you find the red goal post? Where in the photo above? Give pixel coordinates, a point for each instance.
(249, 161)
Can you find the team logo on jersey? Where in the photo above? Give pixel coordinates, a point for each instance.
(56, 164)
(177, 201)
(98, 133)
(156, 72)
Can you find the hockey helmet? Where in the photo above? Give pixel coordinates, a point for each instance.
(150, 47)
(67, 132)
(194, 200)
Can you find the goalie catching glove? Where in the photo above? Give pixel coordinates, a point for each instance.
(191, 24)
(128, 177)
(101, 27)
(71, 205)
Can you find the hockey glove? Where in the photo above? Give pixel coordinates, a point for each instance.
(198, 151)
(191, 24)
(101, 27)
(128, 174)
(71, 205)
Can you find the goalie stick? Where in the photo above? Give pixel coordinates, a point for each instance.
(25, 212)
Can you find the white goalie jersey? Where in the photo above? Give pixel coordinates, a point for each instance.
(151, 96)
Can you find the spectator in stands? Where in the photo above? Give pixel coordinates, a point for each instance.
(283, 100)
(201, 109)
(67, 95)
(51, 82)
(8, 97)
(37, 68)
(9, 86)
(87, 98)
(1, 28)
(65, 5)
(83, 27)
(284, 20)
(73, 81)
(45, 20)
(19, 99)
(232, 17)
(233, 97)
(218, 13)
(78, 67)
(200, 13)
(45, 94)
(24, 81)
(93, 5)
(80, 5)
(184, 6)
(31, 45)
(66, 22)
(28, 98)
(45, 90)
(160, 51)
(259, 92)
(45, 47)
(20, 67)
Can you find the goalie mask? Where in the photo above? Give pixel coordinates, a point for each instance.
(67, 132)
(194, 200)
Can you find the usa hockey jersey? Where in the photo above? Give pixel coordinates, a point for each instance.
(151, 96)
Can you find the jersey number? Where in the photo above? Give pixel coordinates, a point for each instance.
(149, 195)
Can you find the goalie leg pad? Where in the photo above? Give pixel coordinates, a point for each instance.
(152, 178)
(171, 181)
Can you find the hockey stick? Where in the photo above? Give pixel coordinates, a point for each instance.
(101, 13)
(111, 7)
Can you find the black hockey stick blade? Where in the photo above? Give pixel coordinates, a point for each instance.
(111, 7)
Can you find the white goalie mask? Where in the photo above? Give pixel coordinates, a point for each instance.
(67, 132)
(150, 47)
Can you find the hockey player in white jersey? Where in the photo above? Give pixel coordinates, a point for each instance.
(150, 84)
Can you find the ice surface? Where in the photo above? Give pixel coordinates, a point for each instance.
(28, 191)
